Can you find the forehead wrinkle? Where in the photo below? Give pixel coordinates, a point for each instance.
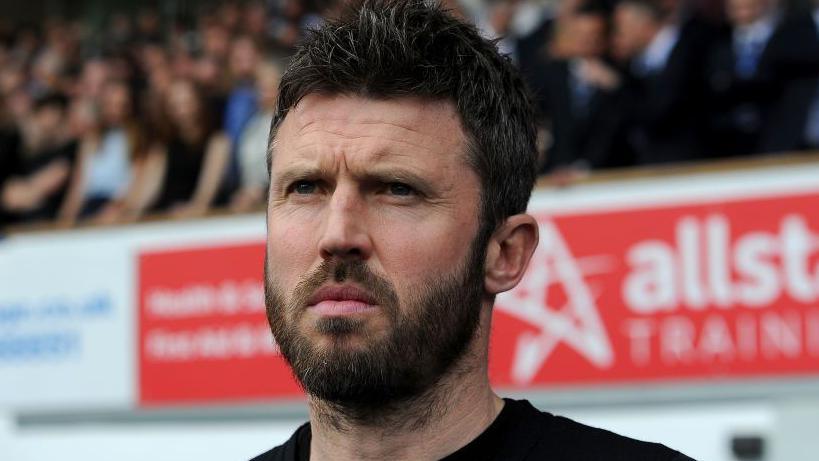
(349, 137)
(310, 128)
(380, 149)
(364, 121)
(379, 152)
(307, 119)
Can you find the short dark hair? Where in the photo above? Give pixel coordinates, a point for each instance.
(593, 8)
(392, 48)
(652, 8)
(52, 100)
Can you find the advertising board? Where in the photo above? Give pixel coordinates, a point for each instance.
(203, 330)
(713, 280)
(706, 278)
(69, 310)
(703, 289)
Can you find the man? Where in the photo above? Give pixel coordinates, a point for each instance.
(242, 102)
(664, 87)
(793, 123)
(402, 157)
(581, 96)
(742, 78)
(33, 187)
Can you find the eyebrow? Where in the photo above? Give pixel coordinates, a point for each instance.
(398, 174)
(286, 177)
(384, 174)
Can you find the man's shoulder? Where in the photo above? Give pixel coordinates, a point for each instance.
(535, 434)
(289, 450)
(563, 438)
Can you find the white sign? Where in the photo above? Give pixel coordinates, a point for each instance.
(68, 316)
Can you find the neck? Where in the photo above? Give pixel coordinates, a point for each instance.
(428, 427)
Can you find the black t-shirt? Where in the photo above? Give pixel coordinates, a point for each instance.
(522, 432)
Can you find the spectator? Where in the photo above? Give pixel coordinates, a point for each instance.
(189, 168)
(497, 25)
(794, 120)
(215, 40)
(95, 72)
(255, 21)
(102, 184)
(194, 73)
(9, 159)
(252, 146)
(154, 97)
(663, 86)
(582, 97)
(34, 188)
(289, 20)
(241, 101)
(742, 79)
(148, 26)
(12, 89)
(546, 38)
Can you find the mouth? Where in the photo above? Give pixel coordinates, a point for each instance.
(337, 300)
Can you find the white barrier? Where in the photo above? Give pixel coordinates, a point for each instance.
(698, 279)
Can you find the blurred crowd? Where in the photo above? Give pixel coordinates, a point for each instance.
(170, 115)
(637, 82)
(146, 116)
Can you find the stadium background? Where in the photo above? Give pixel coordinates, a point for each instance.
(674, 300)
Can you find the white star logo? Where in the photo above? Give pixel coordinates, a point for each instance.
(576, 322)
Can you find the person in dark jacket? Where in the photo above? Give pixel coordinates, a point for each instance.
(742, 78)
(581, 97)
(793, 123)
(663, 82)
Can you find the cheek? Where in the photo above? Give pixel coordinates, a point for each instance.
(411, 259)
(427, 251)
(290, 252)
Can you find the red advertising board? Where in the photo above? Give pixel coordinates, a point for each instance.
(203, 335)
(703, 290)
(697, 291)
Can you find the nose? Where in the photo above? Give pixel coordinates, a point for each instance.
(345, 234)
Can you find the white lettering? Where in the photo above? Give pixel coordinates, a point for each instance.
(226, 298)
(222, 343)
(702, 269)
(721, 338)
(688, 242)
(746, 337)
(640, 333)
(796, 242)
(812, 332)
(677, 345)
(759, 285)
(650, 286)
(719, 271)
(715, 339)
(780, 335)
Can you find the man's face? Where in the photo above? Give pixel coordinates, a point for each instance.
(633, 31)
(588, 35)
(49, 120)
(744, 12)
(374, 281)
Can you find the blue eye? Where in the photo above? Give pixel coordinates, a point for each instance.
(397, 188)
(304, 187)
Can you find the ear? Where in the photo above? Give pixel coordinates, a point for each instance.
(508, 253)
